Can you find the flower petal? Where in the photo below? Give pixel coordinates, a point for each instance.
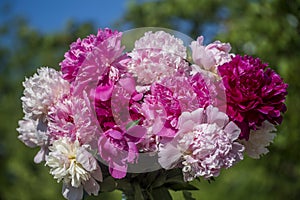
(72, 193)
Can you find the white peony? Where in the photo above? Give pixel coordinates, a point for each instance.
(259, 140)
(75, 166)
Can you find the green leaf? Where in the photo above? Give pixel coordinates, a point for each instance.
(132, 124)
(138, 195)
(187, 195)
(149, 195)
(108, 185)
(124, 185)
(161, 193)
(175, 179)
(176, 172)
(181, 186)
(159, 181)
(151, 178)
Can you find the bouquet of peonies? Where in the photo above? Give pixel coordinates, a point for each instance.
(151, 118)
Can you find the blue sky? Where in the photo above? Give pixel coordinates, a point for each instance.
(52, 15)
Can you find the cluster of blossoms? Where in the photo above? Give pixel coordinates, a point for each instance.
(106, 107)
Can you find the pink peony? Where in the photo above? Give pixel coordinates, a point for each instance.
(254, 93)
(106, 61)
(73, 117)
(205, 143)
(117, 103)
(161, 109)
(210, 56)
(184, 90)
(206, 88)
(172, 96)
(118, 148)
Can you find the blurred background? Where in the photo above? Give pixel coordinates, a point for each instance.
(36, 33)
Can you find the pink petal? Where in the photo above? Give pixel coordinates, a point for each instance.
(168, 156)
(72, 193)
(91, 187)
(137, 131)
(232, 130)
(118, 171)
(104, 92)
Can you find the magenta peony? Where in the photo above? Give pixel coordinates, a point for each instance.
(79, 51)
(118, 148)
(254, 93)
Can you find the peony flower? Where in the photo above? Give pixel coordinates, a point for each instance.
(156, 56)
(124, 102)
(79, 50)
(163, 41)
(161, 109)
(184, 90)
(206, 88)
(118, 148)
(259, 140)
(205, 143)
(210, 56)
(254, 93)
(172, 96)
(43, 90)
(117, 103)
(75, 166)
(74, 117)
(34, 133)
(102, 67)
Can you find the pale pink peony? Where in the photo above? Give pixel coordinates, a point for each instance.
(205, 143)
(43, 90)
(156, 56)
(33, 133)
(210, 56)
(163, 41)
